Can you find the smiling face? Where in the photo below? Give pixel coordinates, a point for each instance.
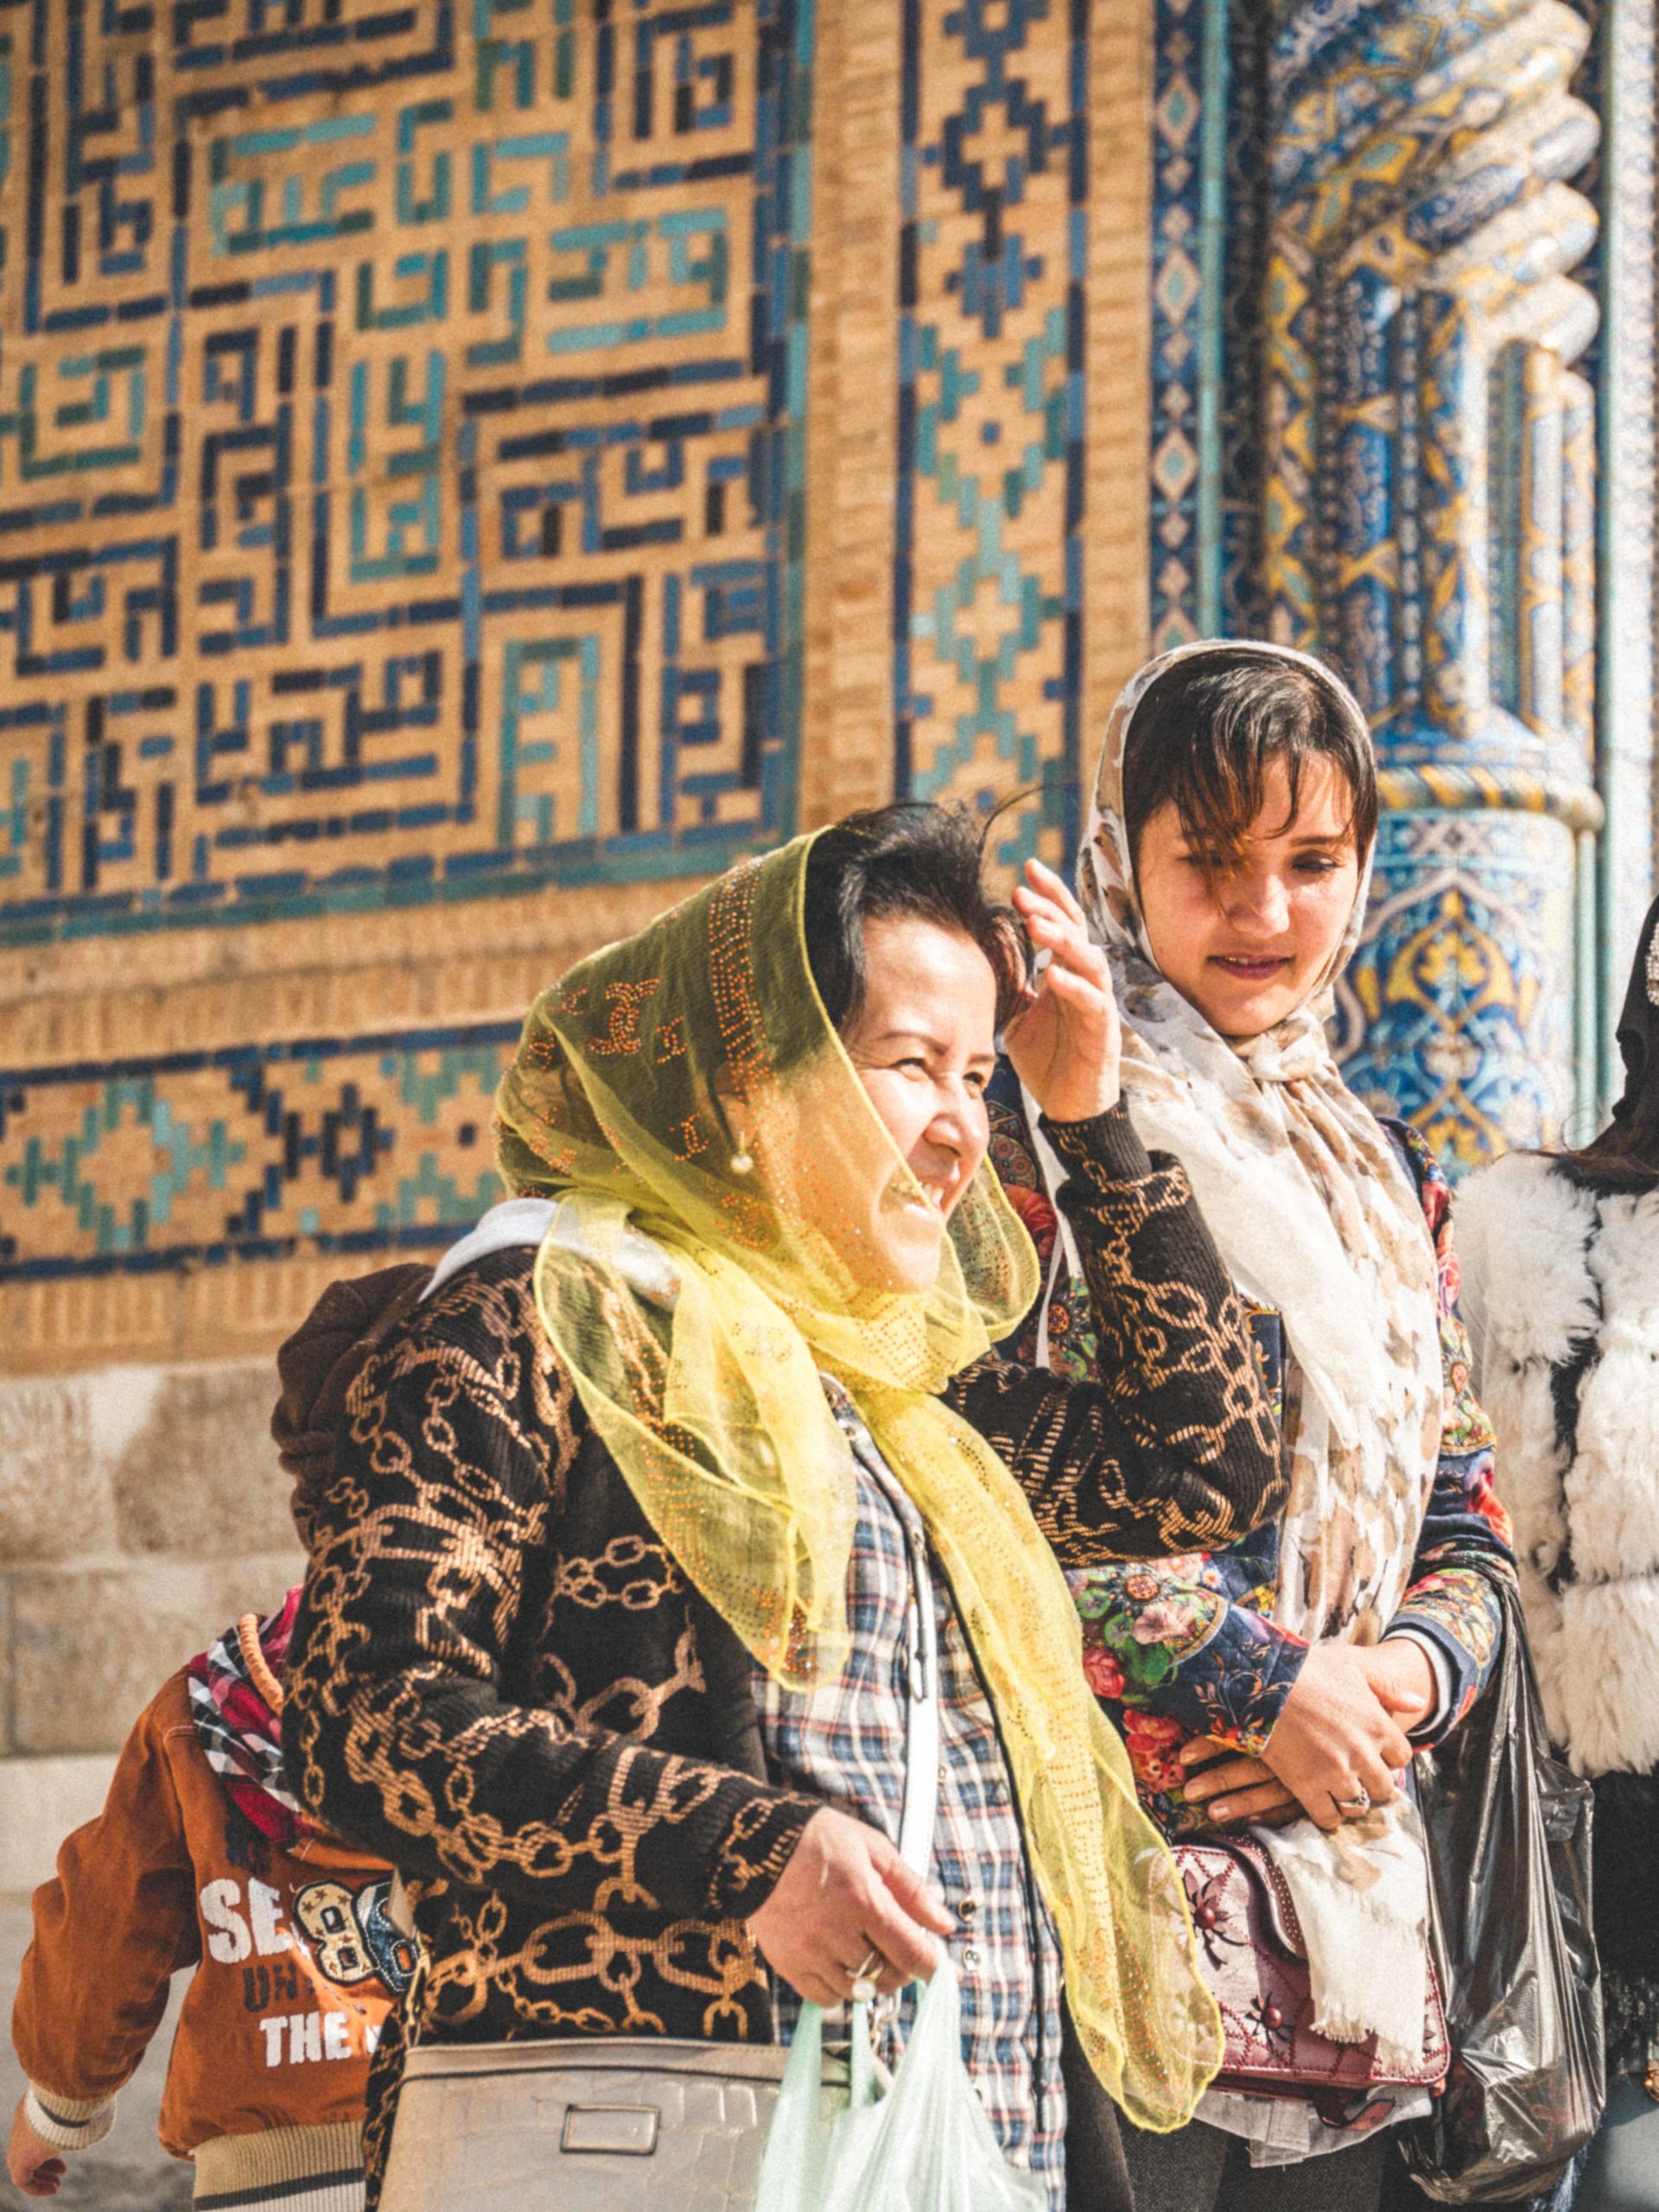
(923, 1044)
(1246, 937)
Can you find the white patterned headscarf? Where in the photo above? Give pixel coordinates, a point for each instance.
(1312, 1210)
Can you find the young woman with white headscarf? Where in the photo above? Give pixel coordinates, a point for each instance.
(1282, 1683)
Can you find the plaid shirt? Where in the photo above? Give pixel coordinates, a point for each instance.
(845, 1743)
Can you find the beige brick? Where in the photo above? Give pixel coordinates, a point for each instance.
(55, 1498)
(200, 1472)
(42, 1801)
(5, 1669)
(90, 1645)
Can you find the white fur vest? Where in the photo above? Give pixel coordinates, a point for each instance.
(1560, 1291)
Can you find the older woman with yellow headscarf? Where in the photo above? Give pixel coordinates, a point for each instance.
(606, 1638)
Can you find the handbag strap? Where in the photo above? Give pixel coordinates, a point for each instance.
(921, 1799)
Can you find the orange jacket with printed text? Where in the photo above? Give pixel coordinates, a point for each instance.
(296, 1963)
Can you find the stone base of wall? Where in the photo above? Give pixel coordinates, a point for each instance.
(141, 1511)
(42, 1801)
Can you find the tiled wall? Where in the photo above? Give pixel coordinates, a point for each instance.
(400, 420)
(464, 474)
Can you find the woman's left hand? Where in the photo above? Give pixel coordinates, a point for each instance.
(1237, 1789)
(1065, 1041)
(1399, 1672)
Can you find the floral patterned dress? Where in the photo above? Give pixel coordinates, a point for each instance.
(1186, 1646)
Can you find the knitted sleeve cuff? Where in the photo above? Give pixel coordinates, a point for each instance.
(1109, 1143)
(756, 1848)
(68, 2123)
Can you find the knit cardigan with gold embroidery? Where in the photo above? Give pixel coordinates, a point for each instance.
(500, 1679)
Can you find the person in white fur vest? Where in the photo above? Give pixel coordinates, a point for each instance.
(1560, 1294)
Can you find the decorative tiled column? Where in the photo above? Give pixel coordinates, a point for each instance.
(1428, 523)
(987, 625)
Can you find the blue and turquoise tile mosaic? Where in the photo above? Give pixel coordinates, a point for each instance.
(255, 1152)
(988, 542)
(401, 426)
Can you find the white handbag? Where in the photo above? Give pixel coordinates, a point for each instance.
(628, 2123)
(588, 2123)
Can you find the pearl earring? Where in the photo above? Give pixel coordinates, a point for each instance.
(741, 1162)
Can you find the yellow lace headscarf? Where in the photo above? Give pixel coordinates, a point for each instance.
(695, 1283)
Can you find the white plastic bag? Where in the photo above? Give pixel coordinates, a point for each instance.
(926, 2146)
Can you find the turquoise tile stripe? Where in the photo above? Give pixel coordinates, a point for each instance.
(377, 1144)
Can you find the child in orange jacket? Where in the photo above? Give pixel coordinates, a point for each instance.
(202, 1857)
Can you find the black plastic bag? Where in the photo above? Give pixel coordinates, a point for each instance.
(1508, 1827)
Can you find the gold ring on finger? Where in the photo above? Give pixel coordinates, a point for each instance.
(864, 1990)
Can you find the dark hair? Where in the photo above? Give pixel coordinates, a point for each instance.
(1205, 732)
(1615, 1161)
(909, 859)
(1625, 1158)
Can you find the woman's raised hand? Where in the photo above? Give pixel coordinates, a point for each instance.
(847, 1906)
(1065, 1041)
(1335, 1738)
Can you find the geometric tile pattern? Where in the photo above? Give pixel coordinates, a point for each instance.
(402, 421)
(403, 501)
(370, 1144)
(987, 621)
(1178, 308)
(1246, 129)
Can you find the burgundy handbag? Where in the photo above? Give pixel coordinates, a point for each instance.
(1256, 1963)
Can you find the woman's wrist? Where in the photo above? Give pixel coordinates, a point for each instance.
(1417, 1672)
(1080, 1094)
